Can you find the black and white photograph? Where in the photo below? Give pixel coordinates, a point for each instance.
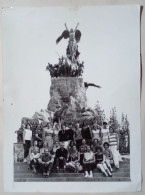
(72, 98)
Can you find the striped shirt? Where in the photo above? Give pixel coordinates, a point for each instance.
(113, 141)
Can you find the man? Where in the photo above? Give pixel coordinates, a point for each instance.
(46, 162)
(61, 157)
(70, 133)
(27, 137)
(63, 136)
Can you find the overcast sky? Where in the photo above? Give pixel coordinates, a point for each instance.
(109, 47)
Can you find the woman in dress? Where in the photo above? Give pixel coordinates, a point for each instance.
(56, 130)
(97, 133)
(105, 133)
(70, 147)
(48, 134)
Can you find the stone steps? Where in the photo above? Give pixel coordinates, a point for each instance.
(23, 174)
(74, 179)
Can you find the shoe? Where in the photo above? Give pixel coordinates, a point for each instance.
(25, 160)
(110, 175)
(48, 173)
(91, 176)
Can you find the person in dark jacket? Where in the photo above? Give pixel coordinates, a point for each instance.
(61, 157)
(87, 134)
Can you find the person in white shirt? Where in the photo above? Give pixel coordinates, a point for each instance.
(34, 163)
(27, 137)
(105, 133)
(89, 162)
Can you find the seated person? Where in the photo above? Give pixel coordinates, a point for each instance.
(100, 161)
(95, 144)
(34, 163)
(34, 147)
(108, 156)
(74, 163)
(46, 162)
(89, 162)
(61, 157)
(70, 147)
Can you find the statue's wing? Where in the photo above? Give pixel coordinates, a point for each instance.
(93, 85)
(65, 35)
(78, 35)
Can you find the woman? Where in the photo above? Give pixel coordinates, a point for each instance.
(114, 146)
(87, 133)
(78, 136)
(97, 133)
(38, 136)
(48, 136)
(34, 163)
(34, 147)
(100, 161)
(74, 163)
(105, 133)
(56, 130)
(94, 145)
(89, 162)
(108, 156)
(70, 147)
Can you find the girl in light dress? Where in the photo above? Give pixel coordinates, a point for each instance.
(97, 133)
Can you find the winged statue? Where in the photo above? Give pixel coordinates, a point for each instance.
(74, 37)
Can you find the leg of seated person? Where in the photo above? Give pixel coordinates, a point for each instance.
(86, 168)
(100, 166)
(107, 161)
(106, 169)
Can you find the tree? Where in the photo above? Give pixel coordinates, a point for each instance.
(113, 119)
(100, 114)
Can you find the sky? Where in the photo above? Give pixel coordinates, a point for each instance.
(109, 47)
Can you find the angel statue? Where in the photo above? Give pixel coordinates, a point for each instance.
(74, 37)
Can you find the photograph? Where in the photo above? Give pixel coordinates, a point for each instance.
(72, 94)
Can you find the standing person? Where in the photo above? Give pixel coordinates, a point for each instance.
(78, 136)
(61, 157)
(100, 161)
(63, 136)
(114, 146)
(27, 141)
(70, 132)
(46, 162)
(48, 134)
(56, 131)
(89, 162)
(20, 133)
(87, 134)
(38, 136)
(105, 132)
(74, 163)
(34, 156)
(83, 147)
(97, 133)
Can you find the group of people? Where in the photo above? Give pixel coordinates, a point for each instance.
(79, 148)
(64, 69)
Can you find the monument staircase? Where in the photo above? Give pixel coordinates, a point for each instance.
(22, 173)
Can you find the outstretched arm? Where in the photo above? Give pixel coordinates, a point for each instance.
(65, 26)
(77, 26)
